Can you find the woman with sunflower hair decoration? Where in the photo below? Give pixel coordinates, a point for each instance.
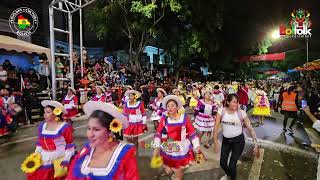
(54, 147)
(176, 141)
(104, 156)
(137, 118)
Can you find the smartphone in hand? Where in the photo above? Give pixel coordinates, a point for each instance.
(304, 103)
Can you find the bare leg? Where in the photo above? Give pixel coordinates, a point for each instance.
(178, 174)
(155, 123)
(168, 170)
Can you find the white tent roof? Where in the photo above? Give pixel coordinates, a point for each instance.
(12, 44)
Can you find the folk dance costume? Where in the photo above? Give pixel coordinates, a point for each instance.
(176, 139)
(195, 94)
(157, 109)
(205, 116)
(52, 145)
(218, 97)
(101, 98)
(137, 118)
(125, 99)
(156, 106)
(122, 165)
(70, 106)
(179, 92)
(261, 104)
(108, 97)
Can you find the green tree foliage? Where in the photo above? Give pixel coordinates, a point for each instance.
(135, 20)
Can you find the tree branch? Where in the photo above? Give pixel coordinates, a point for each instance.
(161, 17)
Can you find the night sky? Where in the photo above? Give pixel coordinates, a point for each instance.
(246, 21)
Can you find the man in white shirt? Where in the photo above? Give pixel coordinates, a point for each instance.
(316, 122)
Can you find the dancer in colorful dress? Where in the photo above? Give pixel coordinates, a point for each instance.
(156, 107)
(70, 103)
(108, 95)
(261, 106)
(137, 118)
(218, 96)
(100, 96)
(55, 142)
(205, 116)
(175, 140)
(179, 93)
(125, 98)
(195, 95)
(104, 156)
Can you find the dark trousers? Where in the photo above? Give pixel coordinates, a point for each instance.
(288, 114)
(29, 114)
(235, 146)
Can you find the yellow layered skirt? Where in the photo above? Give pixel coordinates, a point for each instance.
(261, 111)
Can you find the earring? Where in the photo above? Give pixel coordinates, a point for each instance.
(110, 139)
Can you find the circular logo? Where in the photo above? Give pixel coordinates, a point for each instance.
(23, 21)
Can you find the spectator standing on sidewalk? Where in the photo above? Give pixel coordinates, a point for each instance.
(29, 100)
(289, 106)
(3, 76)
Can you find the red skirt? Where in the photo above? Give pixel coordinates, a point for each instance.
(178, 162)
(46, 173)
(70, 113)
(135, 130)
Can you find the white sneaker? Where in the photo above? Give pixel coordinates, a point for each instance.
(225, 177)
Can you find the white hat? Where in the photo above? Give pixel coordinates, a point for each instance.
(55, 104)
(260, 92)
(73, 90)
(130, 87)
(171, 97)
(108, 108)
(102, 88)
(127, 93)
(177, 90)
(162, 90)
(205, 91)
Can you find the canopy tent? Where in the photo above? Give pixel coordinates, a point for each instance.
(264, 57)
(310, 66)
(12, 44)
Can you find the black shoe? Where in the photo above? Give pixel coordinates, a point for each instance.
(284, 130)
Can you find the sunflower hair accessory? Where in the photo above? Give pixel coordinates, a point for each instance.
(156, 162)
(31, 163)
(57, 111)
(136, 96)
(115, 126)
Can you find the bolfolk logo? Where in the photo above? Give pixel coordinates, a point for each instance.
(299, 25)
(23, 21)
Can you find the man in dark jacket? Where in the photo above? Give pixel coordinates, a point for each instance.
(29, 101)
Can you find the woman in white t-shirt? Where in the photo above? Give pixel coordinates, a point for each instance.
(232, 119)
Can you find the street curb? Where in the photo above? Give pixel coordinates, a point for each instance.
(284, 148)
